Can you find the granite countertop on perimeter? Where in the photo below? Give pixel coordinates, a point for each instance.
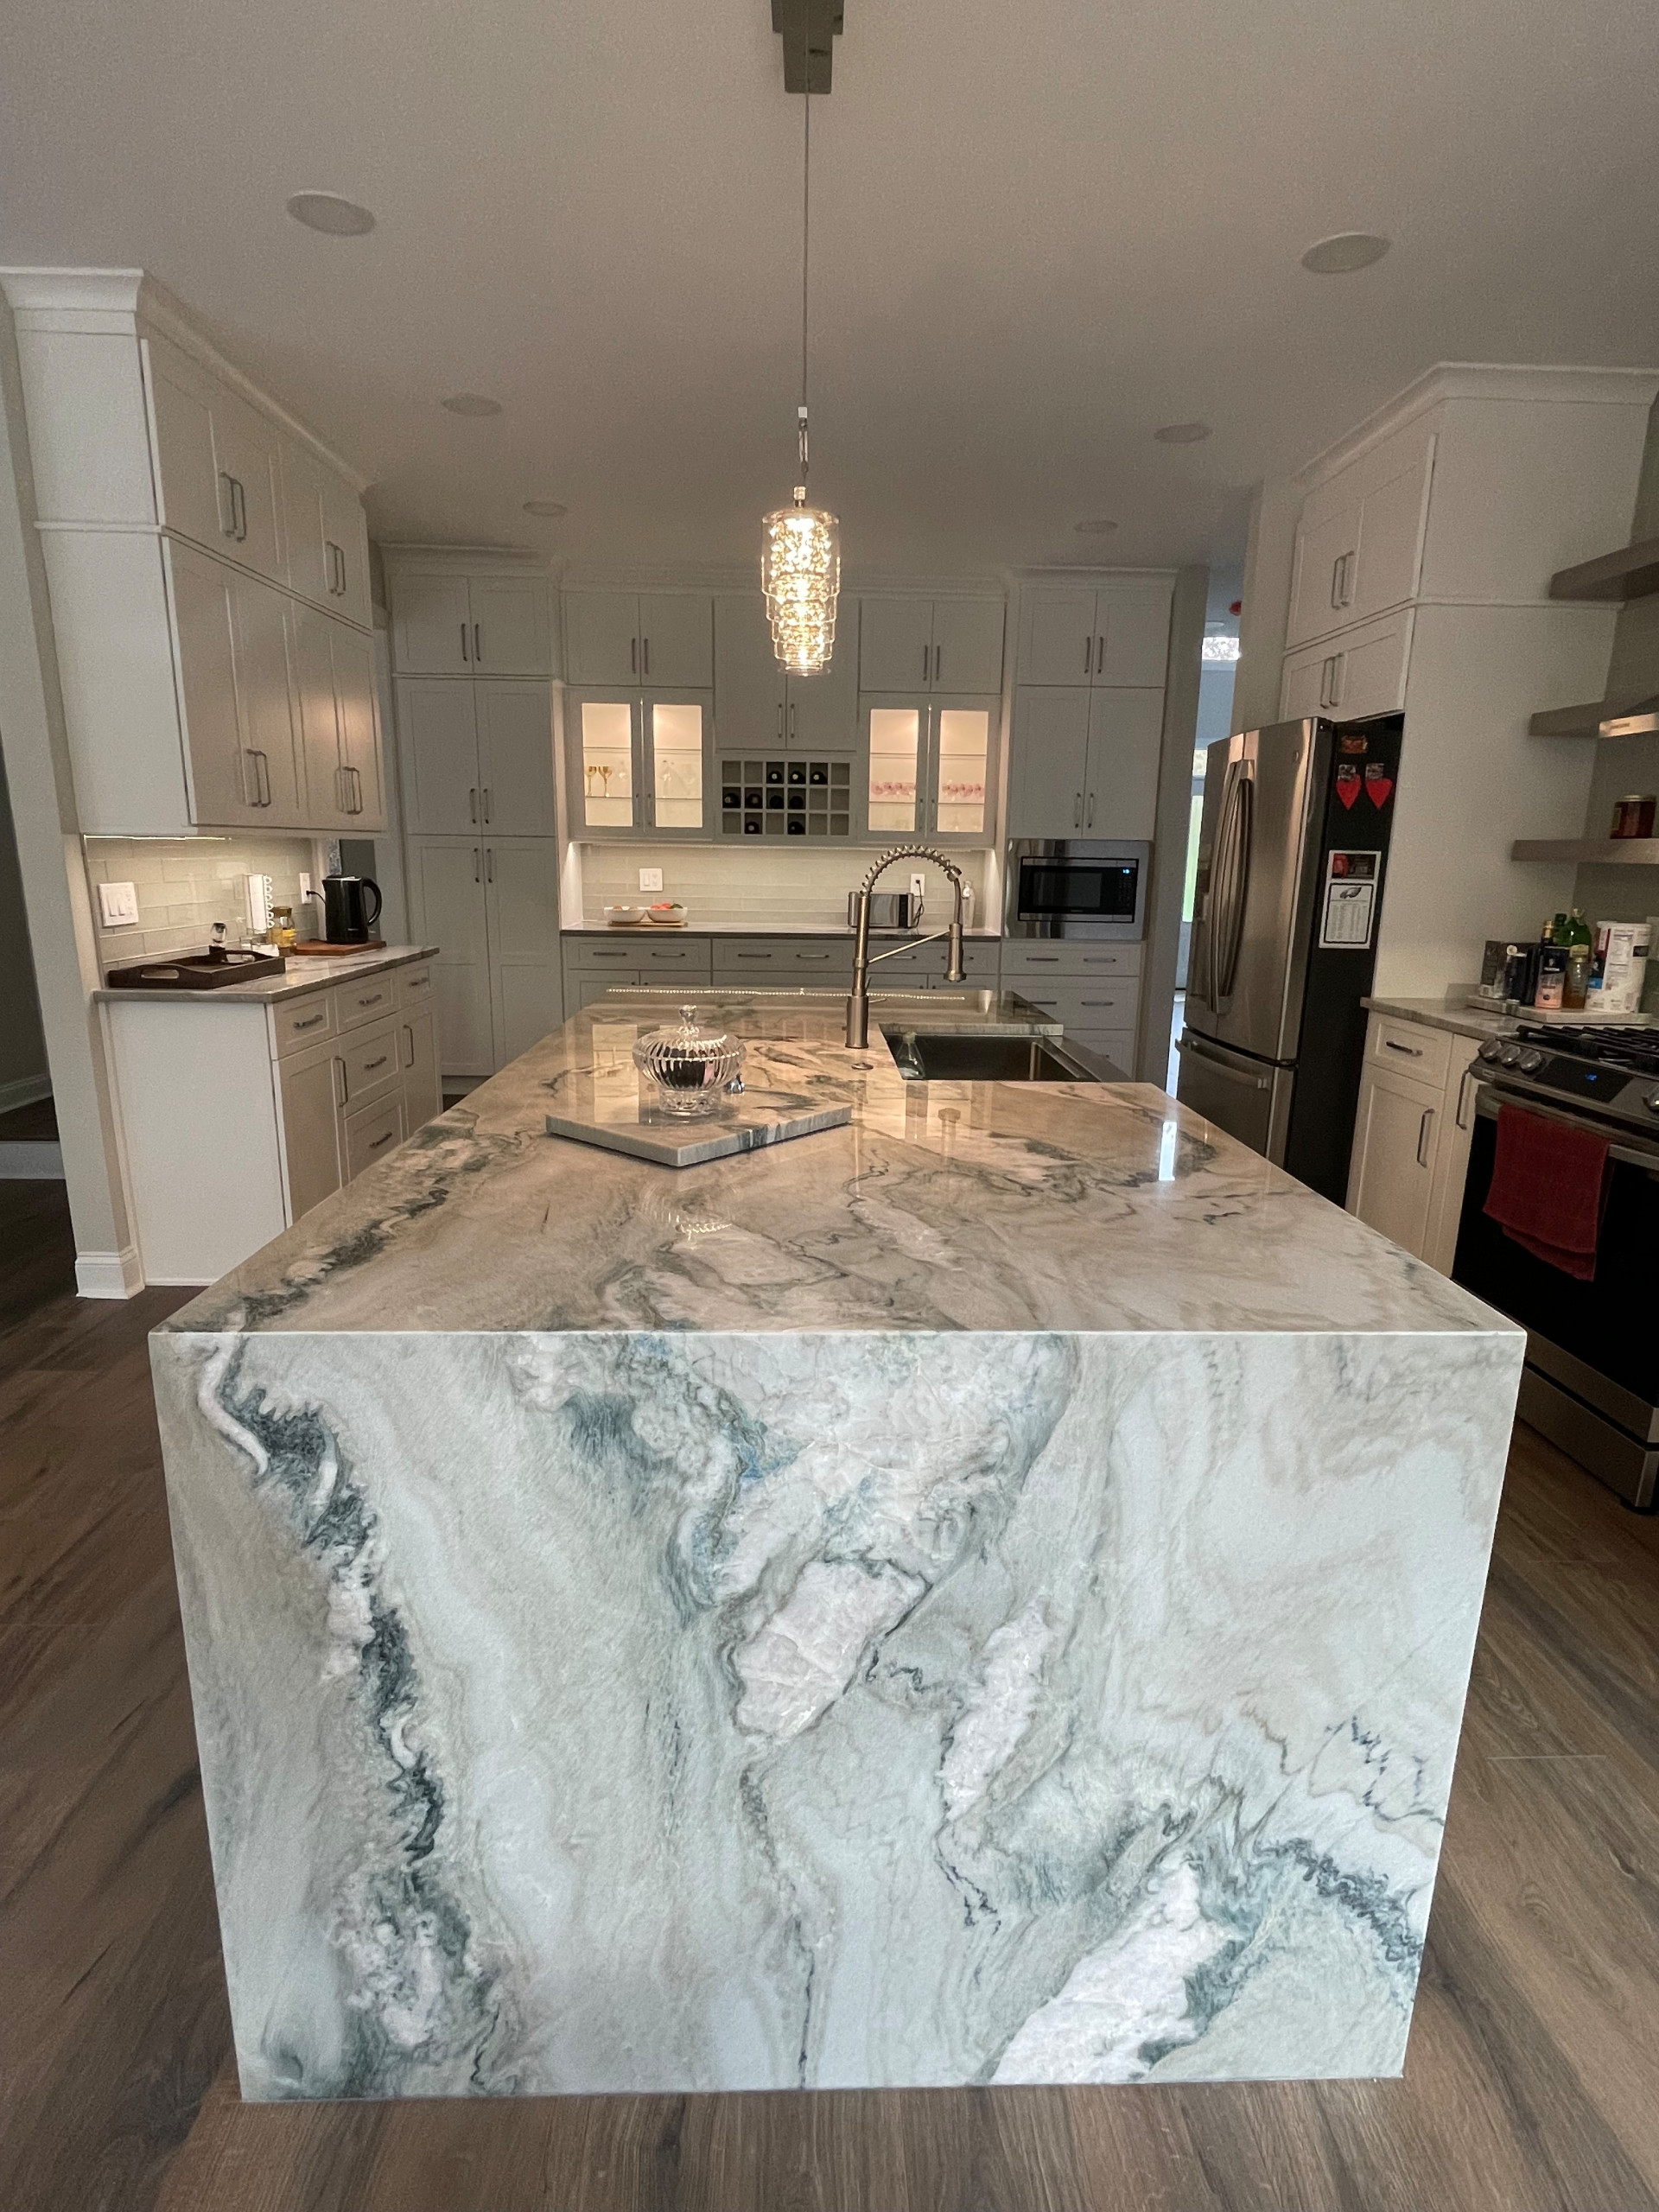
(1474, 1021)
(977, 934)
(302, 975)
(938, 1207)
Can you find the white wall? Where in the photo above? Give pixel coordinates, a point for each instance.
(1268, 562)
(22, 1041)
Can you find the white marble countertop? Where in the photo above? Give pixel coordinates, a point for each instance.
(1434, 1013)
(302, 975)
(940, 1206)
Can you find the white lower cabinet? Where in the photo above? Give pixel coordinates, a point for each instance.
(285, 1103)
(1411, 1137)
(492, 907)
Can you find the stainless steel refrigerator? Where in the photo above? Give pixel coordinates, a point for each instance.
(1292, 853)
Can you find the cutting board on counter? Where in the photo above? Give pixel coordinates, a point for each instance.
(322, 945)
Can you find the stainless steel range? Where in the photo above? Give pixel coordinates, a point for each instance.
(1591, 1380)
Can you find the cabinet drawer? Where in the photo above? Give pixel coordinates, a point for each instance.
(625, 950)
(370, 1061)
(1082, 1007)
(796, 960)
(1116, 1045)
(583, 990)
(371, 1133)
(413, 986)
(685, 957)
(1423, 1054)
(303, 1022)
(1027, 958)
(366, 999)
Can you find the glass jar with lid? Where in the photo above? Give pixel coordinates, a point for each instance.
(689, 1068)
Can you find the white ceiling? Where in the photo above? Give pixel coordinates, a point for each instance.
(1041, 229)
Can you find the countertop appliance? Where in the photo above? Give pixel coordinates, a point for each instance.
(889, 910)
(347, 916)
(1092, 888)
(1591, 1382)
(1292, 853)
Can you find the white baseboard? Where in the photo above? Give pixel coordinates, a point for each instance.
(23, 1091)
(109, 1274)
(31, 1160)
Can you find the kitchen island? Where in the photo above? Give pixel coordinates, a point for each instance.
(983, 1594)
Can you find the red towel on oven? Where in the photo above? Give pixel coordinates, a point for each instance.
(1549, 1188)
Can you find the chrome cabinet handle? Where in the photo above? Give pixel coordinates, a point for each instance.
(472, 802)
(489, 863)
(1100, 653)
(341, 806)
(1412, 1051)
(241, 511)
(1463, 1094)
(811, 956)
(1423, 1127)
(369, 1066)
(1338, 663)
(791, 721)
(409, 1042)
(374, 999)
(486, 802)
(1077, 812)
(478, 644)
(1089, 820)
(645, 656)
(780, 722)
(1336, 577)
(311, 1022)
(338, 1067)
(1088, 652)
(227, 505)
(356, 775)
(464, 654)
(633, 656)
(477, 878)
(384, 1138)
(938, 661)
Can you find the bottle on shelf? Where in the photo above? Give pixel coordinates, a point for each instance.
(1580, 954)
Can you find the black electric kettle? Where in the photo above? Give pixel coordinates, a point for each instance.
(347, 916)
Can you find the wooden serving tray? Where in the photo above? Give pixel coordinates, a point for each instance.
(322, 945)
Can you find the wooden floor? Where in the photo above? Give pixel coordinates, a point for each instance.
(1533, 2079)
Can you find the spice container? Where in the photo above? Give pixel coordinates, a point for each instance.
(1633, 815)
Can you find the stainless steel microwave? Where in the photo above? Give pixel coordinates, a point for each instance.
(1092, 887)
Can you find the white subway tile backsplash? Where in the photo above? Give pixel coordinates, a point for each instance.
(185, 884)
(804, 886)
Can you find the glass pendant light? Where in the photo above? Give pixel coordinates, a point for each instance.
(800, 545)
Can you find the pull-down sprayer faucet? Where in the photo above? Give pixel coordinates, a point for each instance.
(858, 1005)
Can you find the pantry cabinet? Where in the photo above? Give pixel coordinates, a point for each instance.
(492, 906)
(659, 637)
(1084, 761)
(908, 644)
(1115, 632)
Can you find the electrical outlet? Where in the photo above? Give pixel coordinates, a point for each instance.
(917, 885)
(306, 888)
(118, 904)
(650, 879)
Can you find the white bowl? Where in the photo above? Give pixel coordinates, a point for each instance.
(624, 916)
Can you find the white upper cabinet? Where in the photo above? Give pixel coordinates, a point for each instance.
(219, 463)
(449, 623)
(758, 708)
(929, 767)
(512, 628)
(1117, 632)
(476, 756)
(333, 668)
(929, 645)
(328, 538)
(515, 757)
(237, 709)
(1358, 673)
(821, 711)
(431, 626)
(1085, 762)
(1359, 540)
(437, 740)
(645, 637)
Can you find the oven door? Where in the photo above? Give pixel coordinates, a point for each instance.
(1077, 887)
(1593, 1348)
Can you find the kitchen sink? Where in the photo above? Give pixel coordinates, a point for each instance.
(945, 1058)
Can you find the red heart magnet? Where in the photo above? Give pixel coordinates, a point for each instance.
(1378, 782)
(1347, 782)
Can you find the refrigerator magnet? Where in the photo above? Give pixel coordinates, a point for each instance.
(1348, 910)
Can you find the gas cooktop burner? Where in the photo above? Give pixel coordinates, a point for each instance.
(1617, 1047)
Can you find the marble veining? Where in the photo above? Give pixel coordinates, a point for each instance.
(781, 1653)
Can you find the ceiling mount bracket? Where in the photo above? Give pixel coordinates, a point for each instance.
(808, 29)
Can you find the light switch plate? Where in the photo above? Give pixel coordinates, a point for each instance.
(918, 887)
(118, 904)
(650, 879)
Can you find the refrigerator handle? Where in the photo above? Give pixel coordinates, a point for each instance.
(1241, 820)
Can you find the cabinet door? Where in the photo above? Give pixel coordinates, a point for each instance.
(417, 1040)
(1132, 632)
(676, 756)
(345, 551)
(264, 700)
(447, 892)
(521, 881)
(1389, 543)
(1056, 637)
(961, 757)
(308, 1086)
(821, 711)
(1323, 580)
(192, 500)
(749, 687)
(676, 639)
(587, 988)
(370, 1133)
(1048, 768)
(601, 637)
(894, 749)
(310, 571)
(358, 713)
(1367, 667)
(895, 645)
(204, 634)
(1395, 1136)
(1303, 684)
(327, 793)
(515, 758)
(431, 626)
(511, 630)
(602, 752)
(1125, 744)
(1456, 1134)
(247, 448)
(968, 644)
(438, 737)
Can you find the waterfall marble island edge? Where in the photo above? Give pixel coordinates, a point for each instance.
(984, 1593)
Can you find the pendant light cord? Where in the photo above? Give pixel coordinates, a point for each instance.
(806, 217)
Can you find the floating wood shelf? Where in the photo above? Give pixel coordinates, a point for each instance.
(1631, 573)
(1586, 721)
(1624, 852)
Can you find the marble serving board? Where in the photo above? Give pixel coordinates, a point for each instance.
(613, 1113)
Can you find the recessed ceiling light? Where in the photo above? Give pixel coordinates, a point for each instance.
(1348, 250)
(1182, 434)
(1097, 528)
(552, 508)
(330, 212)
(471, 402)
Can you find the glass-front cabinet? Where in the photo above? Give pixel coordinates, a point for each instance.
(930, 768)
(640, 763)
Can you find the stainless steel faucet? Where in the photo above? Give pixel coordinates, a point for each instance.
(858, 1005)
